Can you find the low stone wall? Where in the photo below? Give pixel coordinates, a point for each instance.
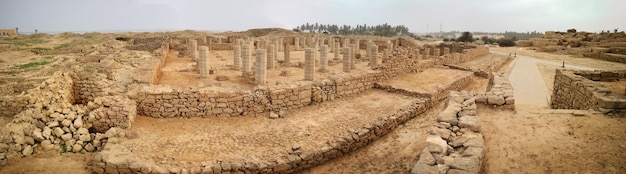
(88, 87)
(456, 144)
(220, 46)
(156, 71)
(111, 111)
(294, 160)
(575, 90)
(47, 119)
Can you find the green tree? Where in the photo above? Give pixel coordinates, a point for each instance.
(466, 37)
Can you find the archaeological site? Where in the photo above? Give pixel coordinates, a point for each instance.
(279, 101)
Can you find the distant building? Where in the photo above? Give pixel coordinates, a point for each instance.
(8, 32)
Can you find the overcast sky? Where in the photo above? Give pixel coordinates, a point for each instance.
(237, 15)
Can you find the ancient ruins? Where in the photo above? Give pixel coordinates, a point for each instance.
(276, 102)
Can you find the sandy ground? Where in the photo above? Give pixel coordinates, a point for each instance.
(50, 162)
(197, 140)
(489, 62)
(526, 142)
(429, 81)
(535, 139)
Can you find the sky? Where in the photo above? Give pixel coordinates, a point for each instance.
(237, 15)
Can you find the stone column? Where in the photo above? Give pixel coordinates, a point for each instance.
(373, 55)
(261, 66)
(347, 60)
(446, 51)
(309, 64)
(353, 53)
(296, 43)
(337, 50)
(436, 52)
(331, 43)
(236, 57)
(287, 56)
(203, 69)
(245, 59)
(270, 56)
(389, 48)
(417, 53)
(324, 58)
(427, 52)
(193, 51)
(280, 43)
(346, 42)
(204, 42)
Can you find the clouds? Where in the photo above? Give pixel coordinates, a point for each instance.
(221, 15)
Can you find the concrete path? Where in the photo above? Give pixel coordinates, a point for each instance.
(529, 87)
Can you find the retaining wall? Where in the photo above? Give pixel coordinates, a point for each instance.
(577, 90)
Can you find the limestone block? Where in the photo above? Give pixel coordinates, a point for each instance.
(435, 144)
(448, 116)
(470, 122)
(495, 100)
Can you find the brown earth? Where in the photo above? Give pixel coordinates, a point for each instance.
(197, 140)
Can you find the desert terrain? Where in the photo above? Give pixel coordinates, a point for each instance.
(137, 103)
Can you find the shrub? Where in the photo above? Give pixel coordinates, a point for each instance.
(122, 38)
(506, 42)
(446, 39)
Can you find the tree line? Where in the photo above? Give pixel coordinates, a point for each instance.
(380, 30)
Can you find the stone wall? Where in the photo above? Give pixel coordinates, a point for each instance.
(111, 111)
(220, 46)
(88, 87)
(295, 159)
(156, 71)
(45, 118)
(146, 44)
(456, 145)
(577, 90)
(159, 101)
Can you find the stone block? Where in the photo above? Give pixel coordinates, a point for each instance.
(495, 100)
(470, 122)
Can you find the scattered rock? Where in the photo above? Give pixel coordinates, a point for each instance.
(222, 78)
(579, 113)
(28, 150)
(470, 122)
(274, 115)
(58, 131)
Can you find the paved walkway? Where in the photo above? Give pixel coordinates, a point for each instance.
(528, 84)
